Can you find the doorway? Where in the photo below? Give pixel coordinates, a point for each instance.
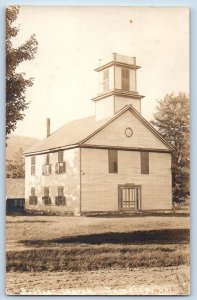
(129, 197)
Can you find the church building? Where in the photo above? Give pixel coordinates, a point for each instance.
(112, 161)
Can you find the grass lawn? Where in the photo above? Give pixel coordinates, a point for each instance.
(37, 244)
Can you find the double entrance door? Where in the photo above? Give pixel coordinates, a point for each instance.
(129, 197)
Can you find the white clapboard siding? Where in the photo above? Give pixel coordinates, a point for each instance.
(114, 134)
(99, 188)
(69, 180)
(120, 102)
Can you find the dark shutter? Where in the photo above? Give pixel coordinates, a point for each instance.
(33, 200)
(32, 170)
(64, 167)
(33, 191)
(60, 191)
(57, 168)
(50, 169)
(144, 162)
(46, 191)
(33, 163)
(113, 161)
(33, 160)
(47, 159)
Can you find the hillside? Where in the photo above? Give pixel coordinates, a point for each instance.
(15, 142)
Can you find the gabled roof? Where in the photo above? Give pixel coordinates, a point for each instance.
(71, 133)
(77, 132)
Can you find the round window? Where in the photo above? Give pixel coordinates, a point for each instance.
(128, 132)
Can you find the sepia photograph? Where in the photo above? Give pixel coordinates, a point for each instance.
(97, 150)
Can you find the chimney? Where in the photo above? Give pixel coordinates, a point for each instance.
(48, 127)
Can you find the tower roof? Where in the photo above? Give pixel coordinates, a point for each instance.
(118, 60)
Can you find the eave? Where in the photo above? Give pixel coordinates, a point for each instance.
(118, 92)
(119, 64)
(50, 150)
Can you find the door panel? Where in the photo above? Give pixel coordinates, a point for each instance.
(130, 197)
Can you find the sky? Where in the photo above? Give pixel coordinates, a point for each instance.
(71, 40)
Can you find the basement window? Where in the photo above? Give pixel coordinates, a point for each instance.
(33, 165)
(125, 80)
(60, 200)
(33, 199)
(113, 161)
(144, 155)
(46, 199)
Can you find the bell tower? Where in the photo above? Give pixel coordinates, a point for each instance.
(117, 86)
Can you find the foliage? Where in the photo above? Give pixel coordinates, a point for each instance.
(16, 83)
(172, 121)
(16, 168)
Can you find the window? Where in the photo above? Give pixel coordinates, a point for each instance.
(33, 199)
(46, 199)
(60, 156)
(60, 166)
(144, 162)
(47, 159)
(113, 161)
(105, 80)
(125, 79)
(46, 168)
(33, 165)
(60, 199)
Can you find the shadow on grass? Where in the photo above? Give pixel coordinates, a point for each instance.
(182, 214)
(168, 236)
(27, 221)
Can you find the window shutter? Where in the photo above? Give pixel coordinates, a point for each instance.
(60, 191)
(64, 167)
(46, 191)
(144, 162)
(33, 160)
(50, 169)
(32, 170)
(47, 159)
(33, 191)
(57, 168)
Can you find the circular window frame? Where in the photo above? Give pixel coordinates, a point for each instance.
(128, 132)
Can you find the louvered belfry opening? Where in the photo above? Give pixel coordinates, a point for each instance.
(117, 85)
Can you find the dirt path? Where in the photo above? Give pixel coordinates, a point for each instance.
(155, 281)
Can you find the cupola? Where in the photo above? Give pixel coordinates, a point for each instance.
(117, 86)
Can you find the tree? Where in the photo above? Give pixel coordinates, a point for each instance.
(16, 168)
(172, 121)
(16, 83)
